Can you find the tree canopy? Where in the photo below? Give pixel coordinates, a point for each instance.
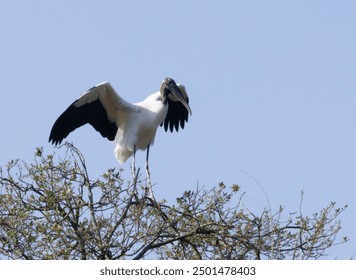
(52, 209)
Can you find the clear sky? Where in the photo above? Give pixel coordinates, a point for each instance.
(271, 84)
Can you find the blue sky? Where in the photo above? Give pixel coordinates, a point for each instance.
(271, 83)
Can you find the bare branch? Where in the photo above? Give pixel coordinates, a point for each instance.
(51, 209)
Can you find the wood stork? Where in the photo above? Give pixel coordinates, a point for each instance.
(131, 126)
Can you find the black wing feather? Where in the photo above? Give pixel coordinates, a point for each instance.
(177, 115)
(93, 113)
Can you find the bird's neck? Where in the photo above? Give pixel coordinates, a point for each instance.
(164, 97)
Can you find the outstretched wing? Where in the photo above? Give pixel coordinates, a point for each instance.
(100, 106)
(177, 114)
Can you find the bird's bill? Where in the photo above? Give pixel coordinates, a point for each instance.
(178, 94)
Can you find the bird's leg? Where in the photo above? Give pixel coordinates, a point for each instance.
(149, 191)
(133, 167)
(134, 174)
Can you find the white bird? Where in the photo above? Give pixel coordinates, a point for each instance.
(131, 126)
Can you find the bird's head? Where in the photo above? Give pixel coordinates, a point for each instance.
(169, 89)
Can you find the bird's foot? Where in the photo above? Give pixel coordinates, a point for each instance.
(149, 193)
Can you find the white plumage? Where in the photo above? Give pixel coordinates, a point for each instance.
(140, 126)
(131, 126)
